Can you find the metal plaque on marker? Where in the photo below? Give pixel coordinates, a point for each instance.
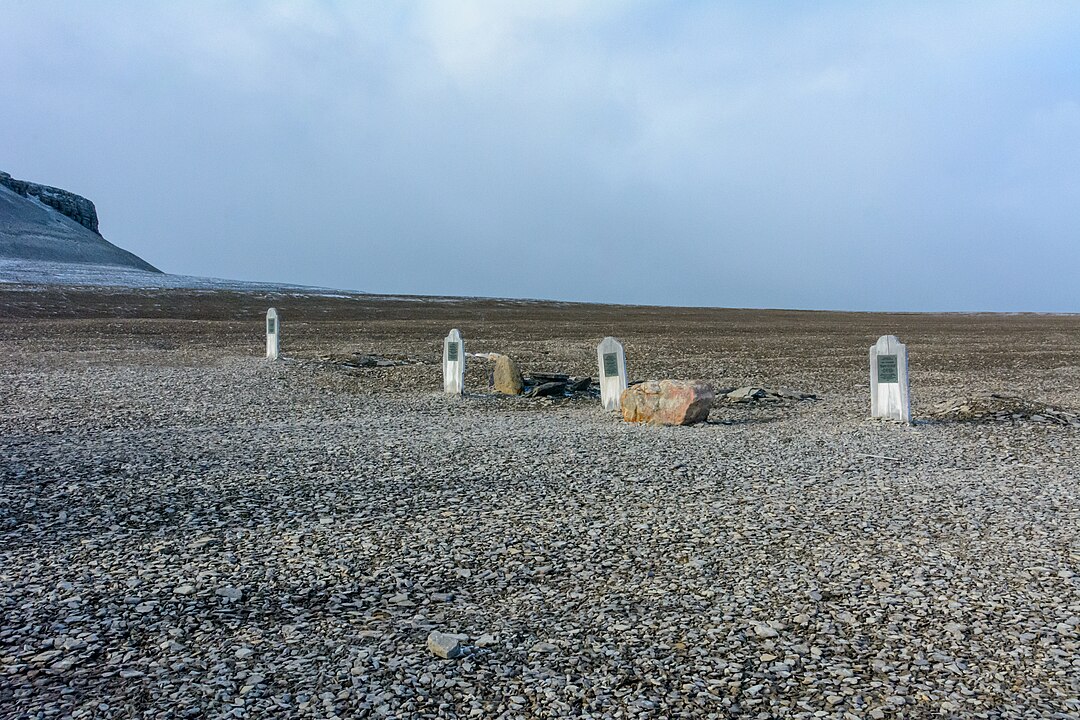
(451, 352)
(611, 364)
(887, 371)
(270, 326)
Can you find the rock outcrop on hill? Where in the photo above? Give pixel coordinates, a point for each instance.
(74, 206)
(39, 222)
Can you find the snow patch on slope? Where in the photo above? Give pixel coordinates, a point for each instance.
(37, 272)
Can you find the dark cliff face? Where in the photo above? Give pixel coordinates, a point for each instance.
(69, 204)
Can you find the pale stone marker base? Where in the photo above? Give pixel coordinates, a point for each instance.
(890, 391)
(273, 334)
(454, 363)
(612, 361)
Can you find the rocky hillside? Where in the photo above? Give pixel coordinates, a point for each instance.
(39, 222)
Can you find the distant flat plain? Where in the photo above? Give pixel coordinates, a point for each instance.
(825, 352)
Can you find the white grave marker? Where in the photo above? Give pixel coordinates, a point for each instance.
(273, 334)
(612, 360)
(890, 392)
(453, 363)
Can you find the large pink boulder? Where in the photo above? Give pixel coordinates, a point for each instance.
(667, 402)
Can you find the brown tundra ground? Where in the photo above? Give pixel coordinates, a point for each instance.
(187, 529)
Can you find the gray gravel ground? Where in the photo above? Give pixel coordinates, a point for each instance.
(187, 530)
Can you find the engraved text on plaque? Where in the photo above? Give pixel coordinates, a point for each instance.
(611, 364)
(886, 369)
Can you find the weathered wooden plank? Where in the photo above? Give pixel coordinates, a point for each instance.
(890, 391)
(611, 359)
(454, 363)
(273, 334)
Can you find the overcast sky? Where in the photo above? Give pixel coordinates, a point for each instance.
(861, 156)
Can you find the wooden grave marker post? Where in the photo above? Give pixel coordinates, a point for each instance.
(890, 391)
(611, 358)
(273, 334)
(453, 363)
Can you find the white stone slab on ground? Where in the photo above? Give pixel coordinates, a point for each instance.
(273, 334)
(453, 363)
(890, 391)
(612, 361)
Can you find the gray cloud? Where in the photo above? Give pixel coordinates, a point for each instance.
(882, 156)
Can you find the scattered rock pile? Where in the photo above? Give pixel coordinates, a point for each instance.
(751, 393)
(558, 385)
(506, 378)
(363, 360)
(1003, 408)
